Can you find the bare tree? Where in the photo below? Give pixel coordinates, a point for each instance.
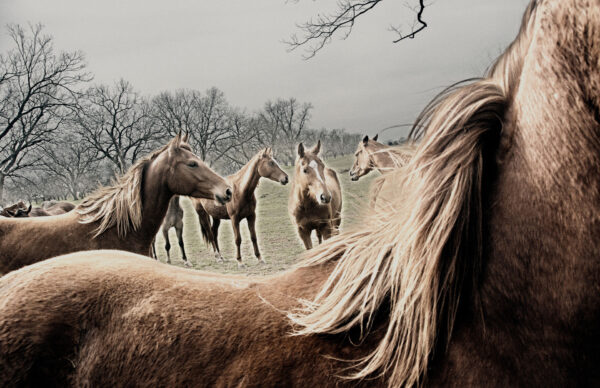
(37, 89)
(319, 31)
(70, 161)
(117, 123)
(176, 111)
(283, 124)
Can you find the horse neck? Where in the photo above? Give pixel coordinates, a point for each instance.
(247, 178)
(155, 200)
(540, 264)
(381, 158)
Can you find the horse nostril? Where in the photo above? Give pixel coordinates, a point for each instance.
(284, 180)
(324, 198)
(228, 193)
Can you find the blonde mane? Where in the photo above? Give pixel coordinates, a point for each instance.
(419, 253)
(400, 155)
(118, 205)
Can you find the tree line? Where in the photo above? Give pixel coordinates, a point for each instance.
(61, 136)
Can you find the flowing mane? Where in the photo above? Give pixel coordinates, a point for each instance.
(118, 205)
(417, 256)
(400, 155)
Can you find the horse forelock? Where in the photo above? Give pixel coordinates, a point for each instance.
(423, 248)
(119, 205)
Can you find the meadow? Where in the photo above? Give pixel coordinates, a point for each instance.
(277, 236)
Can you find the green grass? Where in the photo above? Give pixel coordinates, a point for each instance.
(277, 236)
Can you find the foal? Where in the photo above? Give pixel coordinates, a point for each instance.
(371, 154)
(315, 201)
(242, 205)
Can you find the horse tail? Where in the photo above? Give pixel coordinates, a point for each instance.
(204, 219)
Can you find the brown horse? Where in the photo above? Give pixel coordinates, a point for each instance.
(370, 154)
(57, 208)
(315, 201)
(242, 205)
(173, 219)
(18, 209)
(486, 273)
(125, 216)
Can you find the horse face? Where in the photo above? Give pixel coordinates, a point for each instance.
(310, 175)
(188, 175)
(269, 168)
(362, 160)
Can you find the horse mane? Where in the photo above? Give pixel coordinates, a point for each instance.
(416, 255)
(400, 155)
(120, 204)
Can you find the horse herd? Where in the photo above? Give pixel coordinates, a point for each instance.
(315, 203)
(478, 263)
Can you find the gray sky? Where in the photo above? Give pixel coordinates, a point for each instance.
(363, 83)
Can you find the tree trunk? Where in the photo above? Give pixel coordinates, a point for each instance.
(2, 178)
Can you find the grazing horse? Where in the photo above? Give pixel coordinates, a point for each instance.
(486, 272)
(125, 216)
(18, 209)
(315, 201)
(57, 208)
(242, 205)
(371, 154)
(173, 219)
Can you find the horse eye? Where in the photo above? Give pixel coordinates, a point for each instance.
(306, 170)
(192, 164)
(272, 163)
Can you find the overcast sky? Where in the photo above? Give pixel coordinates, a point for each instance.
(364, 83)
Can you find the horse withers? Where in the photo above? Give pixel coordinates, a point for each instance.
(124, 216)
(315, 201)
(242, 205)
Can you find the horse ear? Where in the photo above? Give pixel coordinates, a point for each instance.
(316, 148)
(366, 139)
(301, 150)
(375, 137)
(29, 208)
(174, 144)
(185, 137)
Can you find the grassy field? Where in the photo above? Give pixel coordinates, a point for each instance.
(277, 237)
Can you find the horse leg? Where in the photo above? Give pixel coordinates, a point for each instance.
(252, 227)
(179, 231)
(326, 231)
(154, 249)
(165, 233)
(305, 236)
(215, 232)
(235, 223)
(319, 236)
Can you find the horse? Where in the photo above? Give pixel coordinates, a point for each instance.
(485, 273)
(18, 209)
(124, 216)
(315, 201)
(173, 219)
(54, 208)
(242, 205)
(370, 154)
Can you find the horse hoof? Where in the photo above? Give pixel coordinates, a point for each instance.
(261, 261)
(187, 264)
(241, 265)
